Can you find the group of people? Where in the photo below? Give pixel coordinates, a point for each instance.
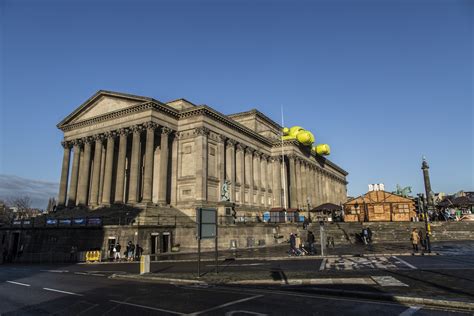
(300, 248)
(131, 253)
(418, 237)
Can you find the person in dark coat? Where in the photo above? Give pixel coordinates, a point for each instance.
(292, 244)
(310, 238)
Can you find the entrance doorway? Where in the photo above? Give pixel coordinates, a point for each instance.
(110, 246)
(155, 243)
(165, 242)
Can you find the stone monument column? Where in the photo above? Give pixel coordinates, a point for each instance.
(293, 189)
(257, 178)
(164, 161)
(75, 173)
(231, 167)
(426, 178)
(299, 191)
(135, 164)
(83, 188)
(263, 169)
(221, 163)
(240, 170)
(109, 164)
(149, 154)
(96, 170)
(276, 181)
(122, 158)
(201, 163)
(249, 172)
(64, 174)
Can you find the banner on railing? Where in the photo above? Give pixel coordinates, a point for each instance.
(92, 256)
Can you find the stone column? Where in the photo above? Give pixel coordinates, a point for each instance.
(74, 174)
(304, 186)
(293, 184)
(164, 161)
(83, 188)
(122, 156)
(64, 174)
(96, 170)
(221, 163)
(149, 153)
(135, 164)
(299, 191)
(109, 164)
(314, 195)
(263, 172)
(201, 134)
(277, 182)
(257, 178)
(240, 170)
(231, 167)
(174, 169)
(249, 172)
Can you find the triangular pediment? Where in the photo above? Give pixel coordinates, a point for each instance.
(101, 103)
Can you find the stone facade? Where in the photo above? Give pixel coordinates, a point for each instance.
(121, 148)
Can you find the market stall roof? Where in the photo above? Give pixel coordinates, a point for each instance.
(327, 207)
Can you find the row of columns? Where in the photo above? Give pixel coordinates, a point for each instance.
(100, 185)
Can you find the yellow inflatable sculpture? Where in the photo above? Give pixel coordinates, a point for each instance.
(306, 138)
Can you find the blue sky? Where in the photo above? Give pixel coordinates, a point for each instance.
(382, 82)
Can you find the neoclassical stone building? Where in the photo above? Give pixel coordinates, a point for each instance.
(121, 148)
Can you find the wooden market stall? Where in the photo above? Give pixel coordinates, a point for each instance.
(379, 206)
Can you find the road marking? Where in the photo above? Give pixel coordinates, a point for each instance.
(59, 291)
(97, 274)
(410, 311)
(81, 273)
(18, 283)
(323, 264)
(405, 263)
(226, 304)
(244, 312)
(387, 280)
(148, 307)
(55, 271)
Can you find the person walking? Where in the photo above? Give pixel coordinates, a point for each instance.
(310, 238)
(415, 239)
(117, 249)
(422, 237)
(131, 251)
(292, 245)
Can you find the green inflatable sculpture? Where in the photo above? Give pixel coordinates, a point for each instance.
(306, 138)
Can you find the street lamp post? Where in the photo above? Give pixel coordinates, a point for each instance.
(422, 204)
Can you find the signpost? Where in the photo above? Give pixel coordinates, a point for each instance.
(206, 219)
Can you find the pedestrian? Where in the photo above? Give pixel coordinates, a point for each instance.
(369, 234)
(117, 249)
(311, 239)
(138, 252)
(365, 235)
(292, 250)
(422, 237)
(415, 239)
(131, 251)
(72, 254)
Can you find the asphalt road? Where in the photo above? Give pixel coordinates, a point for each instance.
(85, 289)
(31, 292)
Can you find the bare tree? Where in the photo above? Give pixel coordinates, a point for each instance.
(6, 214)
(21, 206)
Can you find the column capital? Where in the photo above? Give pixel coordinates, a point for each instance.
(150, 125)
(265, 157)
(201, 131)
(66, 144)
(111, 134)
(249, 150)
(98, 138)
(77, 142)
(240, 147)
(292, 157)
(136, 129)
(87, 140)
(258, 154)
(166, 130)
(123, 131)
(231, 142)
(275, 159)
(221, 138)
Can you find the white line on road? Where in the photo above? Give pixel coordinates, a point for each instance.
(97, 274)
(55, 271)
(410, 311)
(59, 291)
(405, 263)
(18, 283)
(148, 307)
(81, 273)
(226, 304)
(323, 264)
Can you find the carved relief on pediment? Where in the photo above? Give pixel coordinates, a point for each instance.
(103, 105)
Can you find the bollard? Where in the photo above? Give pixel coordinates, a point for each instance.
(144, 264)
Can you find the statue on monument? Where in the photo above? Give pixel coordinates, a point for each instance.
(225, 192)
(402, 191)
